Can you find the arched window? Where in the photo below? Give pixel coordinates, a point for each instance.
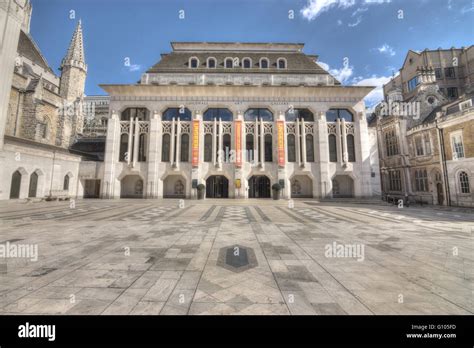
(229, 63)
(123, 156)
(142, 148)
(193, 63)
(249, 147)
(301, 114)
(332, 148)
(309, 148)
(258, 114)
(350, 148)
(208, 148)
(264, 63)
(333, 114)
(282, 63)
(211, 63)
(33, 185)
(184, 148)
(140, 113)
(217, 113)
(184, 114)
(66, 183)
(464, 182)
(165, 148)
(226, 147)
(291, 148)
(268, 148)
(15, 185)
(246, 63)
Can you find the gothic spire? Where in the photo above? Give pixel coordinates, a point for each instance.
(75, 53)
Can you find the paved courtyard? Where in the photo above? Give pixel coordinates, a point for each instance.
(235, 257)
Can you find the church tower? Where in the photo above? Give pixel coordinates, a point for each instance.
(73, 68)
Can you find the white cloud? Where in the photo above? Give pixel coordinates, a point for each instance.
(314, 8)
(376, 96)
(342, 75)
(386, 49)
(339, 22)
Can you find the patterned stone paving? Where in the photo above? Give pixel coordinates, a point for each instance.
(153, 257)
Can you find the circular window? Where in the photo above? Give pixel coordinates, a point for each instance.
(431, 100)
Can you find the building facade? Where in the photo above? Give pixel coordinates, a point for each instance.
(237, 118)
(422, 132)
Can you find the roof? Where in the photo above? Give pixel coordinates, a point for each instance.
(178, 60)
(29, 49)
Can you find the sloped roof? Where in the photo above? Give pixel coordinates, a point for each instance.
(28, 48)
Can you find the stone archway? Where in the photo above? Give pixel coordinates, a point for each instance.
(174, 186)
(301, 186)
(259, 187)
(15, 187)
(217, 186)
(342, 186)
(131, 186)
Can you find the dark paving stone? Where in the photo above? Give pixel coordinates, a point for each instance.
(384, 247)
(40, 272)
(237, 262)
(174, 264)
(296, 273)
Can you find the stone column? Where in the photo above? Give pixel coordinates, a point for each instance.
(130, 141)
(172, 142)
(221, 142)
(363, 155)
(153, 154)
(255, 143)
(214, 142)
(338, 142)
(303, 143)
(345, 155)
(136, 142)
(262, 144)
(298, 142)
(178, 142)
(112, 148)
(323, 148)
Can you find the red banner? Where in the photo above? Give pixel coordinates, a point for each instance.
(195, 147)
(238, 143)
(281, 143)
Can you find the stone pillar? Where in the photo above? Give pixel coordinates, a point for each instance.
(221, 142)
(338, 141)
(178, 142)
(130, 142)
(303, 143)
(345, 155)
(172, 145)
(363, 155)
(262, 145)
(298, 142)
(136, 142)
(214, 142)
(153, 156)
(112, 148)
(323, 148)
(255, 143)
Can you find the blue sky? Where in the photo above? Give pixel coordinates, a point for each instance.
(373, 34)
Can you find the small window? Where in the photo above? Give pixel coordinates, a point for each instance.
(413, 83)
(281, 63)
(332, 148)
(247, 63)
(450, 73)
(66, 183)
(333, 114)
(165, 148)
(229, 63)
(184, 114)
(452, 92)
(438, 73)
(211, 63)
(291, 148)
(193, 63)
(264, 63)
(458, 146)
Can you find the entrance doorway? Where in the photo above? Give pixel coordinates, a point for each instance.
(92, 189)
(131, 187)
(217, 186)
(259, 187)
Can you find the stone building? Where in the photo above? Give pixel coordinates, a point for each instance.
(238, 118)
(414, 154)
(42, 116)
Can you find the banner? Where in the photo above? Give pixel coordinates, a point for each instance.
(195, 147)
(238, 143)
(281, 143)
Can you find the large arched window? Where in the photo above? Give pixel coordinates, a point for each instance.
(15, 185)
(351, 148)
(123, 155)
(142, 148)
(165, 148)
(249, 139)
(211, 63)
(268, 148)
(226, 147)
(300, 114)
(333, 115)
(66, 183)
(258, 114)
(184, 114)
(33, 185)
(184, 156)
(291, 148)
(309, 148)
(208, 148)
(218, 113)
(464, 182)
(264, 63)
(332, 148)
(141, 113)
